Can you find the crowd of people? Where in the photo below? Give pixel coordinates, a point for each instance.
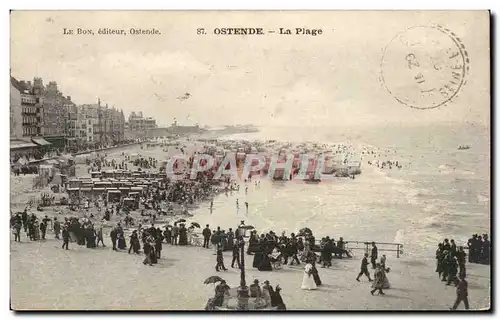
(479, 249)
(262, 297)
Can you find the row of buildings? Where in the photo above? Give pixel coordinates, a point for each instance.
(42, 115)
(137, 122)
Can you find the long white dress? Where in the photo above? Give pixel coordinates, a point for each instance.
(308, 279)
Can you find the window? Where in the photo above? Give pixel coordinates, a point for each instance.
(37, 100)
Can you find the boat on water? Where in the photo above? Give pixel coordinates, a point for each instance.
(464, 147)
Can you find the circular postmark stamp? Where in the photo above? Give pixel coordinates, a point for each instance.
(424, 67)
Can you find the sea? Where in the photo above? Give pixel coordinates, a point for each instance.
(439, 192)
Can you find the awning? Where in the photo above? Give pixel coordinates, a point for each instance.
(41, 141)
(20, 144)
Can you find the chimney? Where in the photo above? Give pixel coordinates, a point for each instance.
(68, 97)
(29, 83)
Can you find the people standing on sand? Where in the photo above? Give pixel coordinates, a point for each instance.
(215, 239)
(183, 241)
(122, 244)
(220, 260)
(267, 289)
(230, 238)
(24, 218)
(374, 256)
(308, 279)
(57, 227)
(315, 272)
(65, 236)
(276, 299)
(461, 261)
(175, 234)
(236, 255)
(462, 294)
(294, 249)
(134, 242)
(17, 230)
(439, 260)
(114, 236)
(255, 290)
(147, 253)
(378, 282)
(43, 228)
(364, 268)
(206, 236)
(158, 245)
(100, 237)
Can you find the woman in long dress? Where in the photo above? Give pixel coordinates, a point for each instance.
(315, 273)
(385, 283)
(308, 279)
(378, 282)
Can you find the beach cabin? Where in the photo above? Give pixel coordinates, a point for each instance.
(114, 195)
(102, 184)
(124, 191)
(96, 175)
(97, 192)
(74, 183)
(130, 203)
(136, 190)
(73, 193)
(86, 192)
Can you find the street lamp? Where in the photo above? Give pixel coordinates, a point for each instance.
(242, 289)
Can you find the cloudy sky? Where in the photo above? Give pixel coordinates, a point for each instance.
(294, 80)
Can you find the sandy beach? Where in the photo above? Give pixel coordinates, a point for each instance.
(45, 277)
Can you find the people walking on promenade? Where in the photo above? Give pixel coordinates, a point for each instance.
(378, 283)
(364, 268)
(462, 294)
(374, 255)
(65, 235)
(57, 227)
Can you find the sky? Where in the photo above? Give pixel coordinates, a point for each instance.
(284, 80)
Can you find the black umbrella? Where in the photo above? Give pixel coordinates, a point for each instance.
(247, 227)
(195, 224)
(213, 279)
(180, 220)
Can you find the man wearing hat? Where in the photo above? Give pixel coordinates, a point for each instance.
(255, 291)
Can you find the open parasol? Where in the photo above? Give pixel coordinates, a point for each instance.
(247, 227)
(195, 224)
(180, 221)
(212, 279)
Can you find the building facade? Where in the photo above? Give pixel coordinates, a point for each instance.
(137, 122)
(16, 118)
(54, 116)
(44, 113)
(31, 110)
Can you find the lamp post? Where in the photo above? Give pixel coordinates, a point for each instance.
(243, 289)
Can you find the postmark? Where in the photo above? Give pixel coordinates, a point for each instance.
(425, 67)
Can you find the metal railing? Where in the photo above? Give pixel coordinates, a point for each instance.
(381, 246)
